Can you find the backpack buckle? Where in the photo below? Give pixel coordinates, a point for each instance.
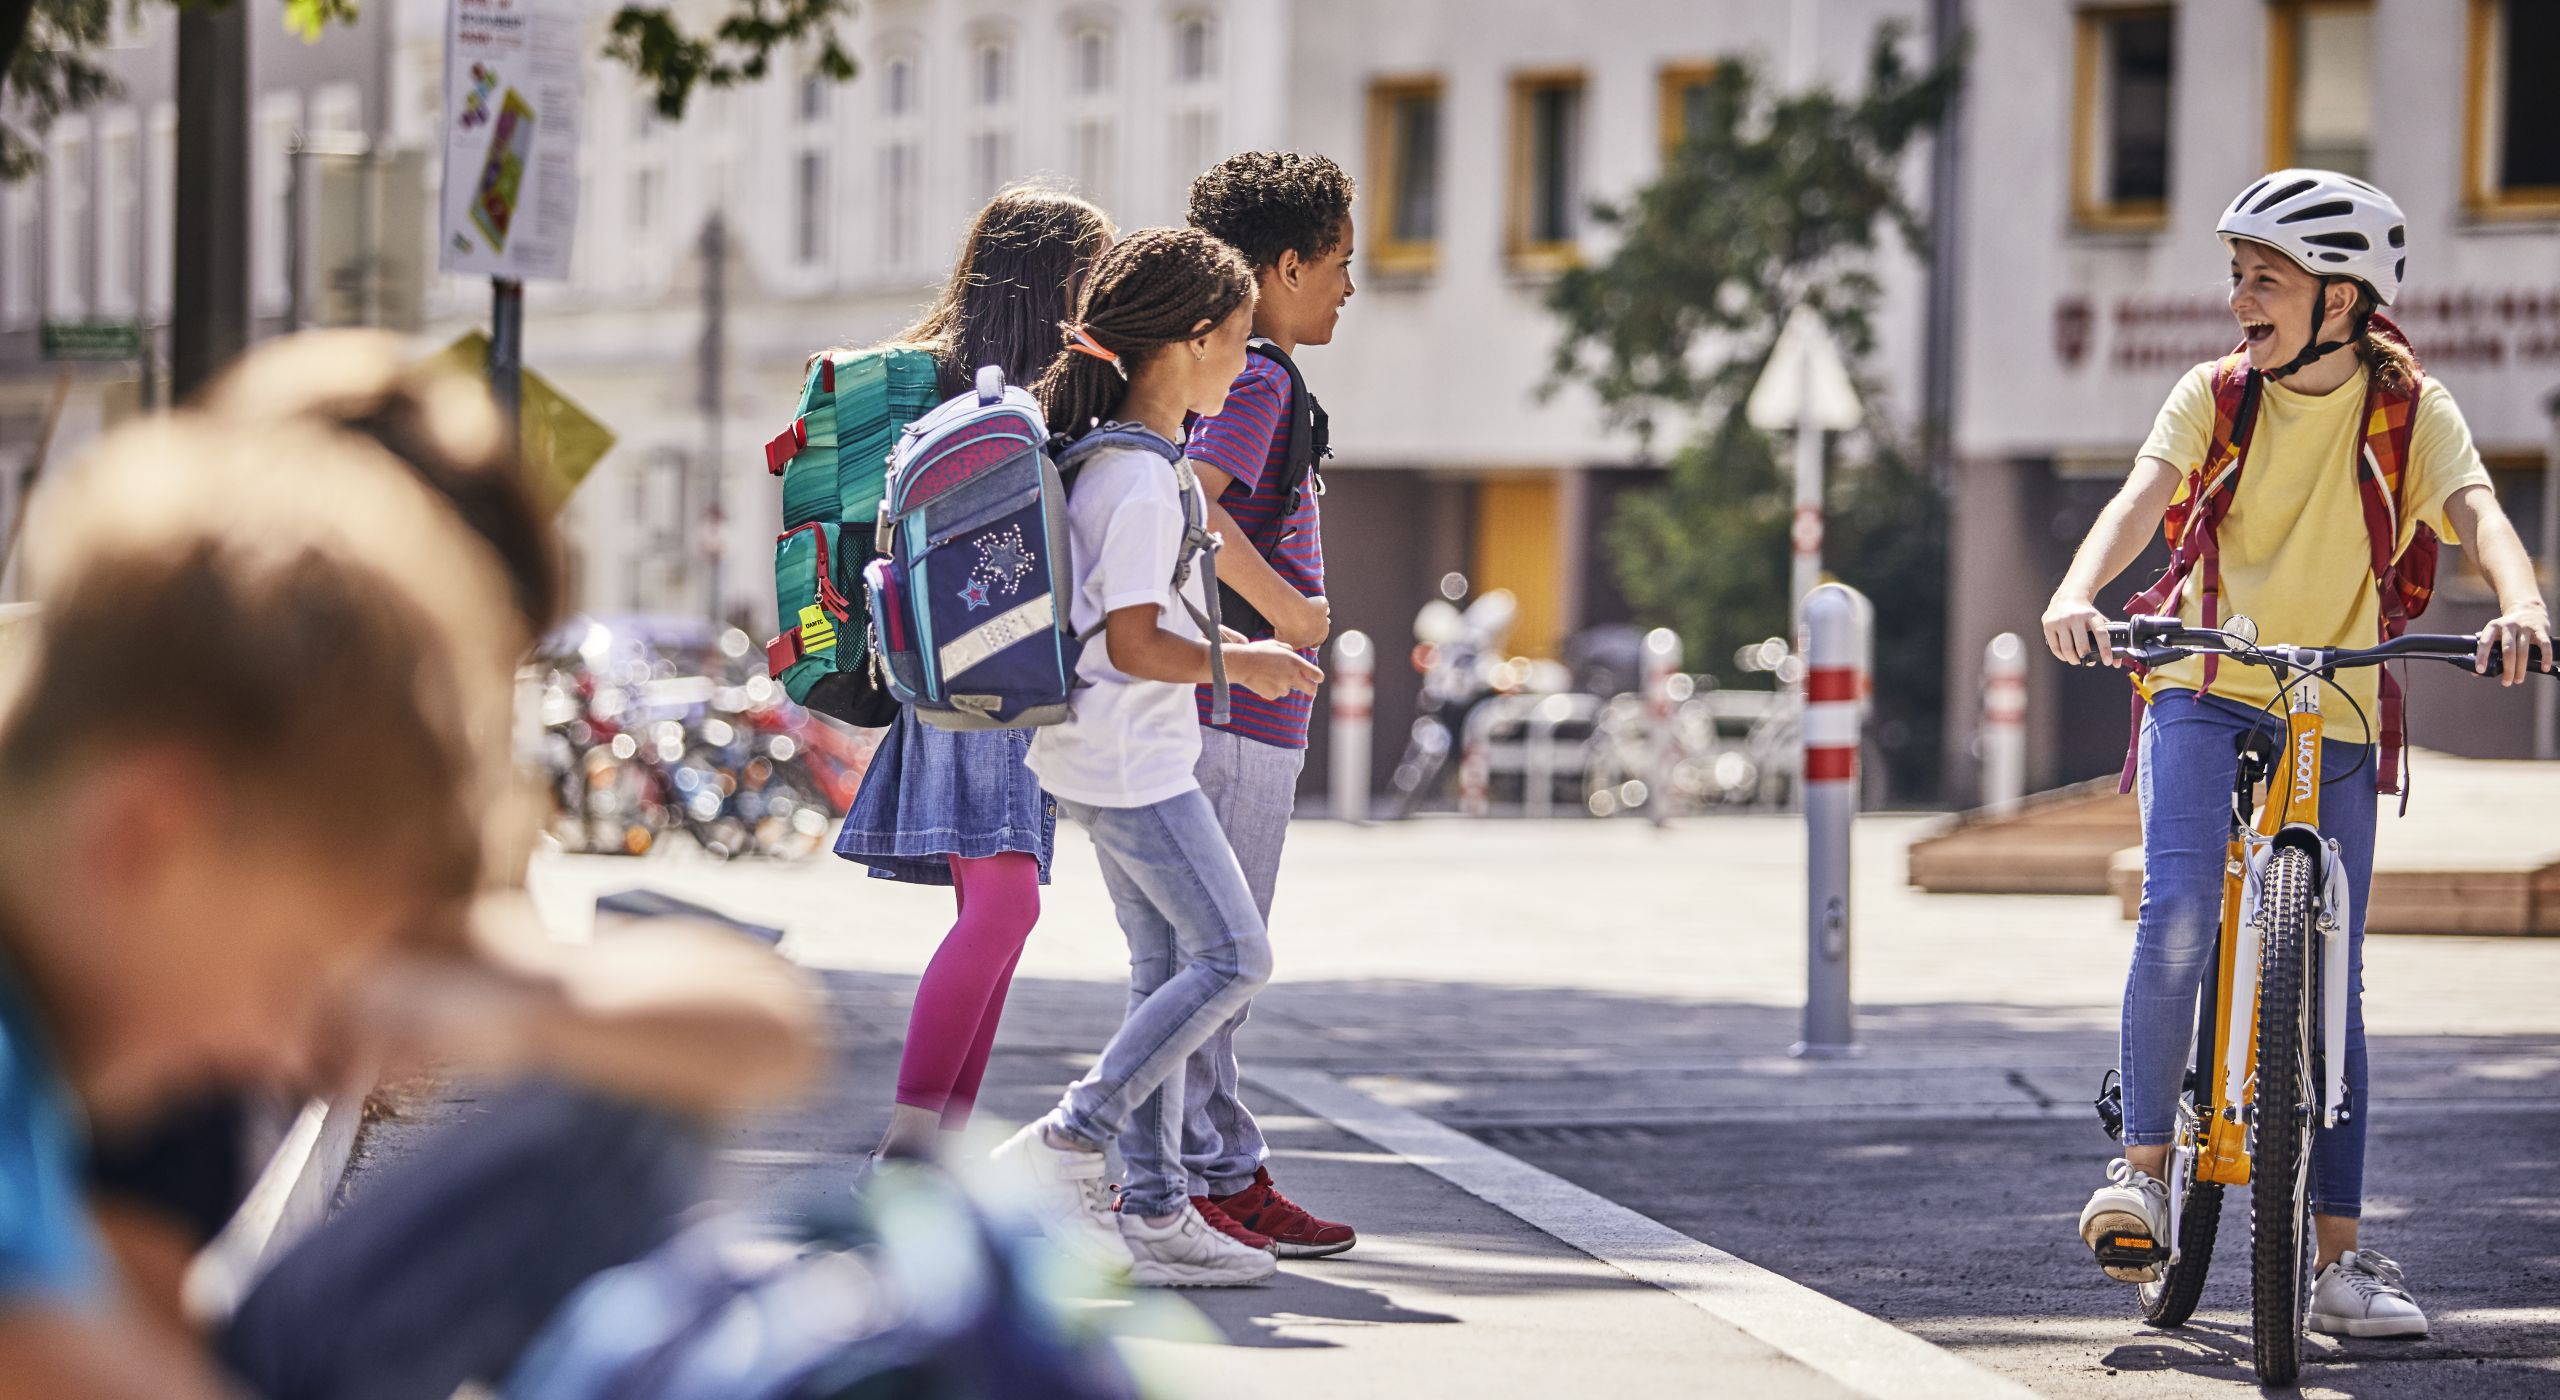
(785, 446)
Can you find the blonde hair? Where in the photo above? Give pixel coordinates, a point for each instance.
(291, 605)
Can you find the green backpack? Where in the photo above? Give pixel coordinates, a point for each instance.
(834, 465)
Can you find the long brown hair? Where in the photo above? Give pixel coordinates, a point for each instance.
(1157, 287)
(1012, 283)
(2385, 357)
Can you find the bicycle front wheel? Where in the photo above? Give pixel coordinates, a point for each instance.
(2280, 1166)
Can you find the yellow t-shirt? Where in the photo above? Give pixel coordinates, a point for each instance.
(2295, 558)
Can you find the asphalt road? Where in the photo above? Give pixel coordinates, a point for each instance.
(1612, 1004)
(1963, 1232)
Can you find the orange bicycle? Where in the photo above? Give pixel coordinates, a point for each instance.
(2269, 1070)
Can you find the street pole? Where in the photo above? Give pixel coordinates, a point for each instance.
(506, 347)
(210, 271)
(1354, 693)
(1946, 205)
(1833, 694)
(713, 364)
(1807, 534)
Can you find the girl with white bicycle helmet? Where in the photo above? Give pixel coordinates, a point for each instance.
(2315, 257)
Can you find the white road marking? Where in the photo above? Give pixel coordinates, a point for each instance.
(1872, 1357)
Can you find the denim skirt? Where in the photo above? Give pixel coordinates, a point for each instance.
(931, 794)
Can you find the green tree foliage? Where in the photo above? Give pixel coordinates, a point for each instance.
(50, 71)
(1775, 200)
(657, 45)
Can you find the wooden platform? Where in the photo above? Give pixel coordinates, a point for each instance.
(2478, 853)
(2060, 842)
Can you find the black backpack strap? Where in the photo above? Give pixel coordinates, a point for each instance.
(1306, 427)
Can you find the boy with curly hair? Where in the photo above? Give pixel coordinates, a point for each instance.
(1290, 215)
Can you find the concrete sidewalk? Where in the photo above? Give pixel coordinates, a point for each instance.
(1612, 1004)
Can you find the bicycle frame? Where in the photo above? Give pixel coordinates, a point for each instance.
(2226, 1057)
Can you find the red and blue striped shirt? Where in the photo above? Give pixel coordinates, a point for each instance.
(1249, 441)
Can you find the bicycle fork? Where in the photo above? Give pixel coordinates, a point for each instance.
(2293, 804)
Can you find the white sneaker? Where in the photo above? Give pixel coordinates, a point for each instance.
(1192, 1253)
(2126, 1224)
(2363, 1295)
(1066, 1194)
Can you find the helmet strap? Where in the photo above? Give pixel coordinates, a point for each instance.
(2315, 349)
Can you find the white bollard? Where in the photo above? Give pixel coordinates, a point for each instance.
(1661, 711)
(2004, 724)
(1834, 695)
(1354, 693)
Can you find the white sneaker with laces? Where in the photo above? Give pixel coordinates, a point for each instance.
(1192, 1253)
(2128, 1215)
(1066, 1194)
(2363, 1294)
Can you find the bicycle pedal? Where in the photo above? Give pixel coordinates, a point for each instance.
(2129, 1250)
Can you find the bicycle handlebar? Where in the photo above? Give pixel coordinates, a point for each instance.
(2155, 640)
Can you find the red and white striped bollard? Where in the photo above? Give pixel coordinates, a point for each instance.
(1354, 693)
(2004, 724)
(1835, 692)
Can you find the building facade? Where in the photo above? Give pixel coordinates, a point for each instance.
(2097, 156)
(1479, 132)
(92, 235)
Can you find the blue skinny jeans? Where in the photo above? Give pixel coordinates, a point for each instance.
(2190, 760)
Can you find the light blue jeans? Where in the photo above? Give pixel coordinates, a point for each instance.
(1197, 955)
(2190, 760)
(1253, 787)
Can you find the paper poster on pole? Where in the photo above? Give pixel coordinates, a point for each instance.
(511, 104)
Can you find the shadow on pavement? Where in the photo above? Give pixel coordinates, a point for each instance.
(1934, 1183)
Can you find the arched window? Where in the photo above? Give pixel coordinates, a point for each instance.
(1093, 128)
(1197, 143)
(900, 163)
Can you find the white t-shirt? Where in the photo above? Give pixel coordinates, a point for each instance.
(1129, 743)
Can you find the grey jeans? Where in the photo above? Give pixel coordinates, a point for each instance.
(1197, 954)
(1253, 786)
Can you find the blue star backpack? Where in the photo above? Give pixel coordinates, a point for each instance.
(968, 594)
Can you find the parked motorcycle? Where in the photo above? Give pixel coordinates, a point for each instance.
(654, 727)
(1460, 657)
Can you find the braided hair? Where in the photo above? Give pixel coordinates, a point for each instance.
(1157, 287)
(2386, 359)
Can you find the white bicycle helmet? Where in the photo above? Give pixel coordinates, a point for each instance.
(2332, 226)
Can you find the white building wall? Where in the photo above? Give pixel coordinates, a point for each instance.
(1445, 369)
(2018, 396)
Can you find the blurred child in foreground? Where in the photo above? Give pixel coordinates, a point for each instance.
(252, 752)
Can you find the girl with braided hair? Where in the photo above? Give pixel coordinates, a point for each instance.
(1158, 337)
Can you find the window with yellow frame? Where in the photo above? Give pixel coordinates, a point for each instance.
(1683, 102)
(2124, 70)
(2511, 158)
(1404, 175)
(1546, 170)
(2320, 76)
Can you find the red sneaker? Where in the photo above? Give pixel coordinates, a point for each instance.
(1228, 1225)
(1294, 1233)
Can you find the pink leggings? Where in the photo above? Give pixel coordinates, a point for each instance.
(961, 998)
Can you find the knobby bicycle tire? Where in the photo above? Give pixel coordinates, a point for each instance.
(2171, 1301)
(2278, 1221)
